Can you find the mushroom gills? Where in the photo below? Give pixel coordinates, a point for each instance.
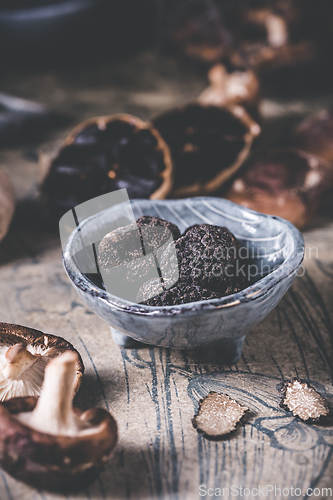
(54, 413)
(21, 371)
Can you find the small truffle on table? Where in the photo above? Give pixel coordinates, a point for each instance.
(303, 401)
(218, 415)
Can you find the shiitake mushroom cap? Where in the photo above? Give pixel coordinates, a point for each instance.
(208, 144)
(45, 345)
(104, 154)
(54, 462)
(285, 182)
(315, 134)
(194, 29)
(271, 36)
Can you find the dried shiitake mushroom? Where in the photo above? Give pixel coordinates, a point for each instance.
(24, 355)
(105, 154)
(47, 443)
(230, 84)
(193, 28)
(303, 400)
(208, 144)
(286, 182)
(315, 134)
(270, 35)
(218, 415)
(7, 203)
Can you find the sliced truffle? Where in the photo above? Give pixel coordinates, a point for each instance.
(7, 203)
(208, 144)
(24, 355)
(128, 256)
(287, 183)
(315, 134)
(48, 444)
(218, 415)
(105, 154)
(303, 400)
(200, 265)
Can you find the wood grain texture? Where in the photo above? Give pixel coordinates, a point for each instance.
(152, 392)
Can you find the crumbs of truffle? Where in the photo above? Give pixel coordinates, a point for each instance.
(303, 400)
(218, 415)
(182, 293)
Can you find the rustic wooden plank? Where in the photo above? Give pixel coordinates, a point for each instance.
(153, 392)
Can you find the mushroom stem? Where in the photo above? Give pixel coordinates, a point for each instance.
(53, 413)
(19, 359)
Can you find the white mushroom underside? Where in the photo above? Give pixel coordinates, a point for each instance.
(30, 382)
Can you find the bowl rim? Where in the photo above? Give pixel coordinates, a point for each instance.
(58, 9)
(252, 292)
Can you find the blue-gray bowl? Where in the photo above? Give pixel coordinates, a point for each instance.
(275, 246)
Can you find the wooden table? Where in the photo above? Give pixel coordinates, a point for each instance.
(153, 392)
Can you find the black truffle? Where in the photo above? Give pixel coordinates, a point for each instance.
(206, 255)
(182, 293)
(200, 265)
(135, 240)
(128, 256)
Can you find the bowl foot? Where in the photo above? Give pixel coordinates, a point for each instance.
(228, 351)
(125, 341)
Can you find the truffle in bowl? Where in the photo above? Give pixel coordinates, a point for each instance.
(272, 248)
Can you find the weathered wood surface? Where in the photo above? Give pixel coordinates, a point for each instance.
(152, 392)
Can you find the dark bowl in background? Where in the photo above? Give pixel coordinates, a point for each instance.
(71, 30)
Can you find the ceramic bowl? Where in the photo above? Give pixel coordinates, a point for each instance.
(275, 249)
